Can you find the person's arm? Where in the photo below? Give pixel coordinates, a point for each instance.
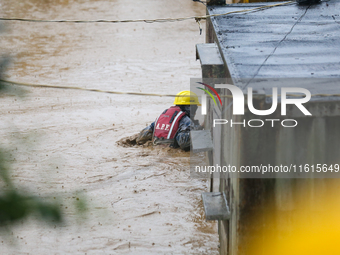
(183, 140)
(146, 134)
(183, 134)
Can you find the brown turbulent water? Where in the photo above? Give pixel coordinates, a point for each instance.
(141, 200)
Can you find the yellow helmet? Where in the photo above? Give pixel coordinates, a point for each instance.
(186, 97)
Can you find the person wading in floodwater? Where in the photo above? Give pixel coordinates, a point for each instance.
(174, 124)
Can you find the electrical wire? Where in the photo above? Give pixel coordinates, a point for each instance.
(131, 93)
(149, 20)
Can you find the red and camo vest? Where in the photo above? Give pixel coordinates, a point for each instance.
(166, 125)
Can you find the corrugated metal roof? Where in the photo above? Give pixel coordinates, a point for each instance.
(281, 42)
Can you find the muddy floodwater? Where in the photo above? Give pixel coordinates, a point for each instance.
(63, 143)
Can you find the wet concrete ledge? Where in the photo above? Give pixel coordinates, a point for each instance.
(280, 42)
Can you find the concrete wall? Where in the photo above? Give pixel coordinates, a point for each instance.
(314, 141)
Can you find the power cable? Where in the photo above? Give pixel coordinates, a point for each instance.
(131, 93)
(148, 20)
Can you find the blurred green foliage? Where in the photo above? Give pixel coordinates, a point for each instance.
(16, 204)
(4, 61)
